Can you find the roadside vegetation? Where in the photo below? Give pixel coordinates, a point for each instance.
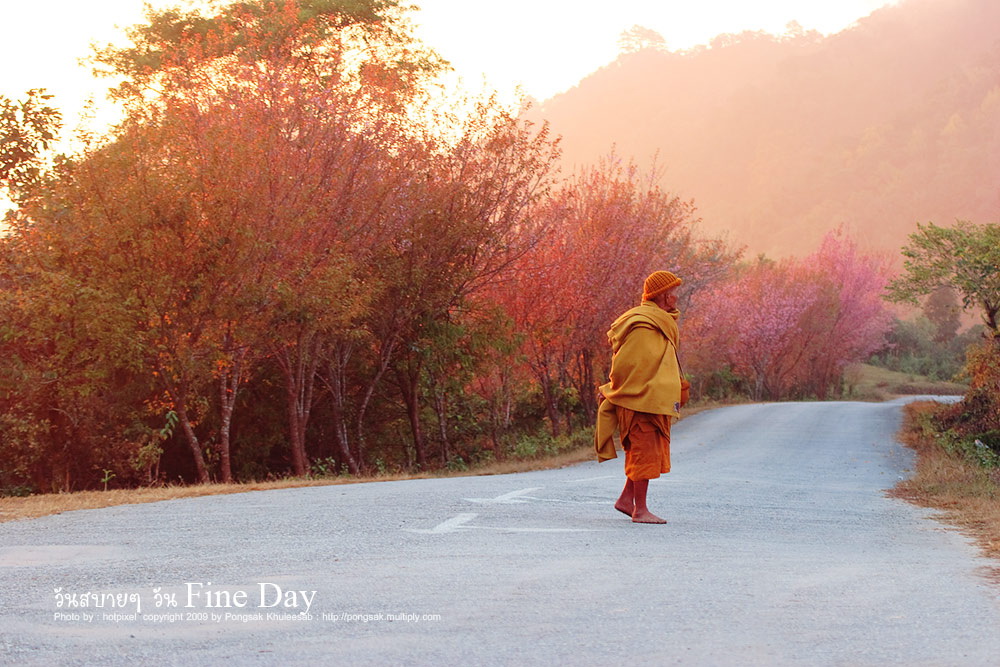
(869, 382)
(953, 473)
(958, 445)
(537, 453)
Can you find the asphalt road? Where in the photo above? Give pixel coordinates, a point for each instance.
(781, 549)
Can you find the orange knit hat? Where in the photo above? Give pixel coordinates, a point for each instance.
(659, 282)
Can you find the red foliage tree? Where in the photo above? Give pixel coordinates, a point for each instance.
(610, 227)
(278, 117)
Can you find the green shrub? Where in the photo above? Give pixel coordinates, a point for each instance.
(325, 467)
(16, 491)
(542, 444)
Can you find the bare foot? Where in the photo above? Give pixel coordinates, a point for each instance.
(645, 516)
(624, 507)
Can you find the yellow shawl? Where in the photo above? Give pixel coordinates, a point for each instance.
(645, 374)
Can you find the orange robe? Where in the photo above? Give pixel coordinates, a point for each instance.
(645, 381)
(646, 441)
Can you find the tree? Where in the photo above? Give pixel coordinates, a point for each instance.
(68, 399)
(638, 38)
(965, 257)
(27, 130)
(790, 327)
(275, 119)
(760, 312)
(943, 310)
(342, 35)
(128, 226)
(849, 320)
(468, 220)
(610, 226)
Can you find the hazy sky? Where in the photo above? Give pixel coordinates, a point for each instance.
(546, 46)
(549, 45)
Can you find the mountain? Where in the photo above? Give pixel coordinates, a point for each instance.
(778, 139)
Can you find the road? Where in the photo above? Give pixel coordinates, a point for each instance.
(781, 549)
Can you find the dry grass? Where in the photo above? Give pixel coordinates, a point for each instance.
(879, 384)
(968, 494)
(32, 507)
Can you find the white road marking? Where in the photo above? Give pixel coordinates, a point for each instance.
(511, 498)
(519, 497)
(452, 525)
(536, 530)
(571, 502)
(590, 479)
(460, 521)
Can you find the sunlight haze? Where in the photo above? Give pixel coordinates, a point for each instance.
(547, 47)
(543, 47)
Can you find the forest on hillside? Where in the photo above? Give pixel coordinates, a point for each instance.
(780, 138)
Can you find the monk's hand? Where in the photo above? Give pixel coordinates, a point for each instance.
(685, 392)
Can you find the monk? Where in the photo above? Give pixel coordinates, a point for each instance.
(646, 391)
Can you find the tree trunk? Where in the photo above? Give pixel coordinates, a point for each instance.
(192, 440)
(335, 381)
(298, 365)
(297, 438)
(227, 396)
(59, 464)
(441, 409)
(586, 387)
(409, 385)
(990, 319)
(385, 356)
(548, 396)
(229, 385)
(178, 395)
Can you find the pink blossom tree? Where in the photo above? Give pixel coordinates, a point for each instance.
(791, 327)
(849, 320)
(754, 323)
